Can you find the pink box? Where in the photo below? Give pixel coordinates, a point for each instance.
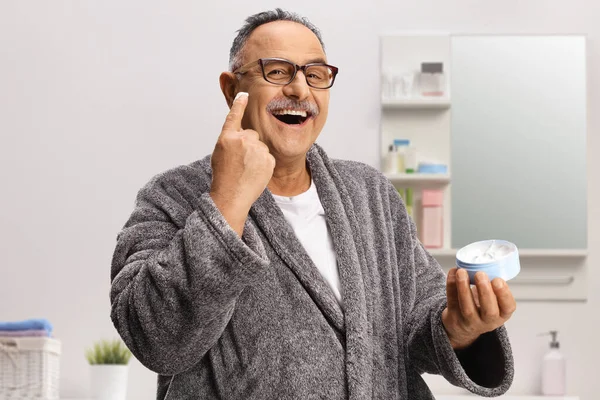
(432, 229)
(433, 198)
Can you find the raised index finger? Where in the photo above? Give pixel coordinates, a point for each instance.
(233, 122)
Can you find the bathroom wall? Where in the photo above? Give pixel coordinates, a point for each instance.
(96, 97)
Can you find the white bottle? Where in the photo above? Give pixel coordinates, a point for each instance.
(554, 370)
(391, 162)
(387, 85)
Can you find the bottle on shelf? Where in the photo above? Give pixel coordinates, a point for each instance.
(432, 79)
(408, 80)
(391, 160)
(407, 197)
(397, 85)
(410, 160)
(409, 202)
(401, 146)
(387, 85)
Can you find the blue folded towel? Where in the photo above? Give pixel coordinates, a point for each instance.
(28, 324)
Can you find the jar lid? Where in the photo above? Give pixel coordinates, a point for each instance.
(432, 67)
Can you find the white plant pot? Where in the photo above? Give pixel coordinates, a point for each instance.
(109, 382)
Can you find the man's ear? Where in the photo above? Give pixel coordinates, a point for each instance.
(228, 82)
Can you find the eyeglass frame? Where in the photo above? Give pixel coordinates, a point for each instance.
(260, 61)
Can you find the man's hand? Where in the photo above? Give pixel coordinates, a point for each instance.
(477, 310)
(242, 167)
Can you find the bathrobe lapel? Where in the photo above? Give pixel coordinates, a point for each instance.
(354, 276)
(348, 243)
(279, 233)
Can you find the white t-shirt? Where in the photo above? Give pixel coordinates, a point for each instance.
(306, 215)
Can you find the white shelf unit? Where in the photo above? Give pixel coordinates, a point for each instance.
(546, 274)
(423, 120)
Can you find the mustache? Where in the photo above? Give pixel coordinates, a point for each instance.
(284, 103)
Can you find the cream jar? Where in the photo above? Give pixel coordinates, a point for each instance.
(497, 258)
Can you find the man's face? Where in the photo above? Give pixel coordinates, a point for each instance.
(298, 44)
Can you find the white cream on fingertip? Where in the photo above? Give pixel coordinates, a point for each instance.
(240, 94)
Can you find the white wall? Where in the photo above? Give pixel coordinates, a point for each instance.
(96, 97)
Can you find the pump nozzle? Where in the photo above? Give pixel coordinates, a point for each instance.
(554, 344)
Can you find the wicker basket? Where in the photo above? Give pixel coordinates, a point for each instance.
(29, 368)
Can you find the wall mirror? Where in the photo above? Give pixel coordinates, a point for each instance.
(518, 140)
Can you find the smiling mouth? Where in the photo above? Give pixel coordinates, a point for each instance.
(292, 117)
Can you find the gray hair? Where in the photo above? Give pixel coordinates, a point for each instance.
(256, 20)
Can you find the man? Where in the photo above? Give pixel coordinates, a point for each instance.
(269, 271)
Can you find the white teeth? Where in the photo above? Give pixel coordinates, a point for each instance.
(290, 112)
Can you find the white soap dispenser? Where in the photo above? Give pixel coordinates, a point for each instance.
(554, 369)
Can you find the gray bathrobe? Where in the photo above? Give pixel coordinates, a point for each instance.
(223, 317)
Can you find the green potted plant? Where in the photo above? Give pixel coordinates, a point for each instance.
(109, 361)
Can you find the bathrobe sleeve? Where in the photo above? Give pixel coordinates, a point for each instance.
(486, 367)
(177, 270)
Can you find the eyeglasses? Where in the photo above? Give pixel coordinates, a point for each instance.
(282, 72)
